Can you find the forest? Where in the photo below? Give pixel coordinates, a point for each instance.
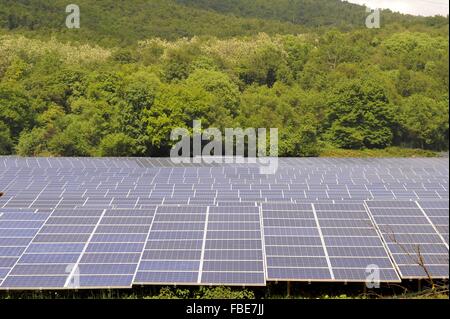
(135, 70)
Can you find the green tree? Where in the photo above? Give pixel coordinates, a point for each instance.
(117, 144)
(36, 141)
(73, 140)
(139, 92)
(105, 86)
(278, 107)
(266, 65)
(225, 92)
(360, 115)
(298, 53)
(16, 111)
(176, 107)
(6, 144)
(425, 122)
(178, 63)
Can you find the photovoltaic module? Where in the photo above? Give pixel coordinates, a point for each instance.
(69, 223)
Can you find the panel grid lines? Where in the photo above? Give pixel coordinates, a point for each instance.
(263, 241)
(25, 250)
(432, 224)
(68, 283)
(327, 257)
(379, 234)
(142, 252)
(202, 256)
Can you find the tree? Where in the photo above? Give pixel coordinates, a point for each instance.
(414, 50)
(360, 115)
(425, 122)
(6, 144)
(277, 107)
(410, 82)
(105, 86)
(266, 65)
(177, 106)
(298, 52)
(36, 141)
(139, 92)
(300, 140)
(177, 65)
(117, 144)
(225, 92)
(16, 111)
(354, 89)
(334, 50)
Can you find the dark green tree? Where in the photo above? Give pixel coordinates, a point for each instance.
(360, 115)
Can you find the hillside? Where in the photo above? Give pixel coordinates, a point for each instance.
(312, 13)
(112, 22)
(121, 83)
(315, 14)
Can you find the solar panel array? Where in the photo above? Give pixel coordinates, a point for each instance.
(174, 246)
(323, 242)
(416, 246)
(70, 223)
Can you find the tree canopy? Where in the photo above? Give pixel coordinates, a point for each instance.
(342, 86)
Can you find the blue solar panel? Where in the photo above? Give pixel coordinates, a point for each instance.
(232, 253)
(218, 224)
(415, 244)
(183, 241)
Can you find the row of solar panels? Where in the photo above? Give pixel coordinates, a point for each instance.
(39, 181)
(219, 245)
(47, 193)
(73, 162)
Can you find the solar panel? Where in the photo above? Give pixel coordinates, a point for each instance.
(293, 246)
(438, 214)
(351, 248)
(323, 242)
(113, 254)
(116, 222)
(31, 272)
(17, 230)
(232, 249)
(173, 248)
(418, 250)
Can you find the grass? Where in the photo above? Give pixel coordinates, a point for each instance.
(377, 153)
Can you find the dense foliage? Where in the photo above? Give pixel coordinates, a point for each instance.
(118, 23)
(350, 89)
(311, 13)
(103, 21)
